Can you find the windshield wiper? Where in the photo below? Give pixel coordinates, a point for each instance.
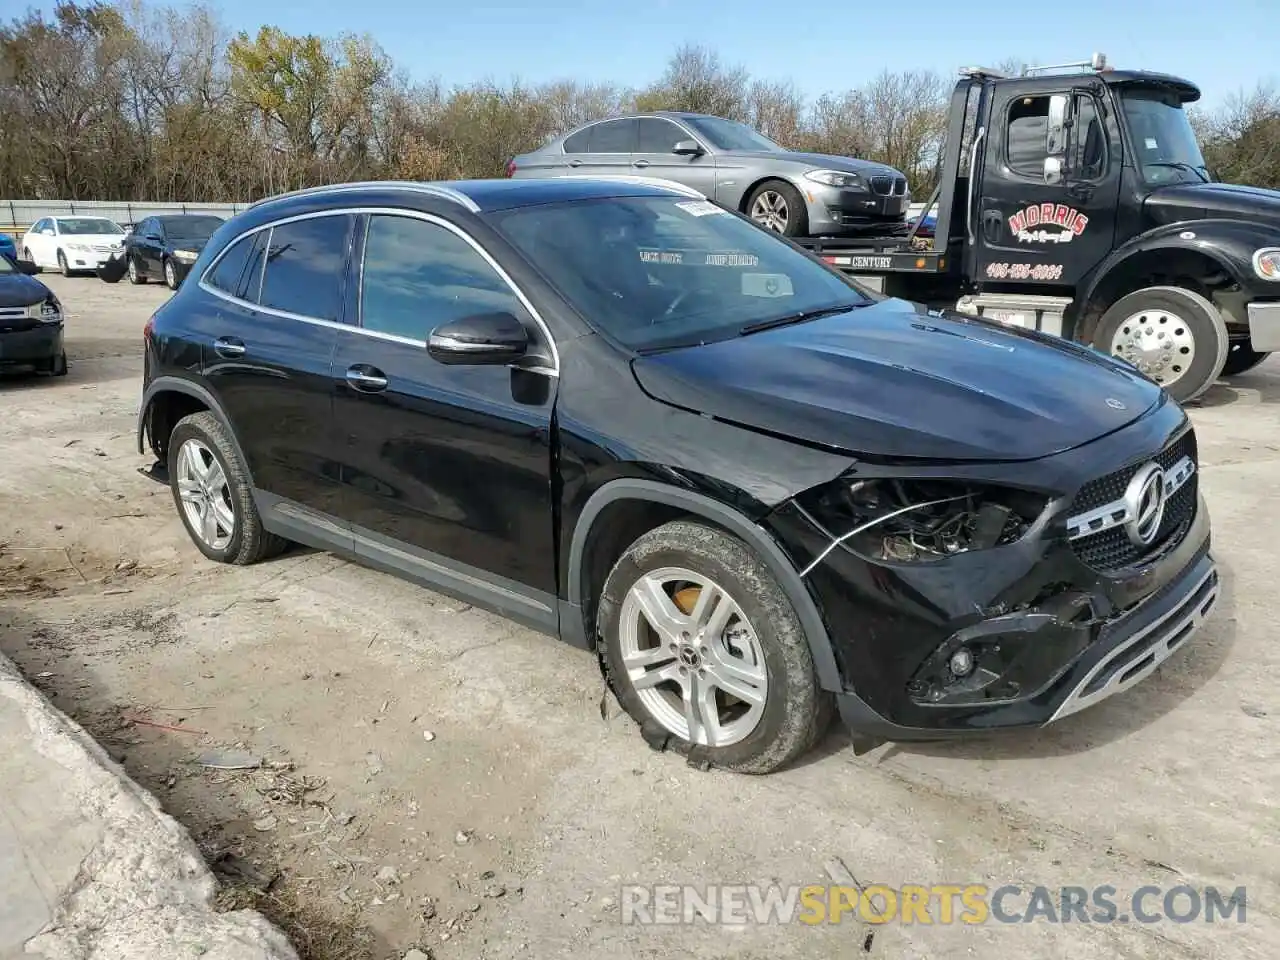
(1180, 165)
(790, 318)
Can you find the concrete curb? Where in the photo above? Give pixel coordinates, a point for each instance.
(143, 891)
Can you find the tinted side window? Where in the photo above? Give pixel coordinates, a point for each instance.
(659, 136)
(578, 142)
(305, 262)
(614, 136)
(1028, 126)
(229, 272)
(418, 275)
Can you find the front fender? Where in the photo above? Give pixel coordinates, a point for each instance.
(1230, 243)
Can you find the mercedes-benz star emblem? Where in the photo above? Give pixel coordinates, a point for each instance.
(1114, 404)
(1145, 499)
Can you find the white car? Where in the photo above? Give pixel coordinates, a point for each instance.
(71, 244)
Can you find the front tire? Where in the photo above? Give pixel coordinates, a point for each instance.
(1173, 335)
(58, 366)
(63, 265)
(777, 205)
(1241, 357)
(704, 650)
(213, 494)
(135, 275)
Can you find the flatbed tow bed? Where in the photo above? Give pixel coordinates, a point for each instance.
(1073, 199)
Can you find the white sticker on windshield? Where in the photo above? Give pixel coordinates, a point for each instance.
(766, 285)
(700, 208)
(1151, 143)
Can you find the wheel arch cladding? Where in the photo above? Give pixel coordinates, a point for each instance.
(694, 506)
(168, 400)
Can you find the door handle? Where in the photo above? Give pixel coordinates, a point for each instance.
(640, 164)
(991, 221)
(575, 163)
(229, 347)
(1081, 191)
(366, 379)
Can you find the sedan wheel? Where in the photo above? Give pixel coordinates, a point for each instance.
(134, 276)
(170, 275)
(206, 495)
(770, 210)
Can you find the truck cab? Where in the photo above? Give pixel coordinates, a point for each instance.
(1075, 199)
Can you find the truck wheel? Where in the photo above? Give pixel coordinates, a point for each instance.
(778, 206)
(1241, 357)
(1173, 335)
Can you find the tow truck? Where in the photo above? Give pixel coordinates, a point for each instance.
(1074, 199)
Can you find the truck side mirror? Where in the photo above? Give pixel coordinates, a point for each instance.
(1055, 144)
(1052, 169)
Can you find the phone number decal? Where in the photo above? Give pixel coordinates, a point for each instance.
(1024, 271)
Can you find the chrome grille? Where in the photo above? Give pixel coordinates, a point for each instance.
(1096, 521)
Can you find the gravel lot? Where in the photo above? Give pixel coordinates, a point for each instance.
(508, 831)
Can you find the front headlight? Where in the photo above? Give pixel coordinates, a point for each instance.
(49, 311)
(1266, 263)
(921, 521)
(185, 256)
(834, 178)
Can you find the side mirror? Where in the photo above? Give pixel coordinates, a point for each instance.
(484, 338)
(1055, 138)
(1052, 169)
(688, 148)
(26, 266)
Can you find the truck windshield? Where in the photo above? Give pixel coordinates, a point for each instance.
(730, 135)
(1162, 135)
(656, 273)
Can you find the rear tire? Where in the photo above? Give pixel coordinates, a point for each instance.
(777, 205)
(1173, 335)
(210, 483)
(753, 642)
(26, 255)
(1241, 357)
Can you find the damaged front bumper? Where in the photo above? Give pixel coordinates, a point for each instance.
(1044, 627)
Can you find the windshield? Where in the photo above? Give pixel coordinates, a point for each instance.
(730, 135)
(1162, 135)
(659, 272)
(83, 225)
(190, 228)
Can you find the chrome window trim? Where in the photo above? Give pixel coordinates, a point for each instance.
(553, 371)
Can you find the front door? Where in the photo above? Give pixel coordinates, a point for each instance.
(446, 469)
(267, 338)
(655, 156)
(1046, 213)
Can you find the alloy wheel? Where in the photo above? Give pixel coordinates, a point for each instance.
(205, 494)
(1157, 342)
(693, 658)
(770, 210)
(170, 276)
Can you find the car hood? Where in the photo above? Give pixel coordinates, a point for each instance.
(19, 290)
(1192, 201)
(816, 161)
(891, 380)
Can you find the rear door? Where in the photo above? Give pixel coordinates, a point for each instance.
(609, 145)
(268, 339)
(655, 156)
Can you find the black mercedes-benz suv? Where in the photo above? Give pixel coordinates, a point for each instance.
(624, 416)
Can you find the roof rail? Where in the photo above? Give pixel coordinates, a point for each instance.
(626, 178)
(435, 189)
(1097, 63)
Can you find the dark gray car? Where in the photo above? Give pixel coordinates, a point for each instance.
(799, 194)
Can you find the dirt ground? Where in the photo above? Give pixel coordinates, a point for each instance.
(433, 776)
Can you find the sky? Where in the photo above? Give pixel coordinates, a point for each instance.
(820, 47)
